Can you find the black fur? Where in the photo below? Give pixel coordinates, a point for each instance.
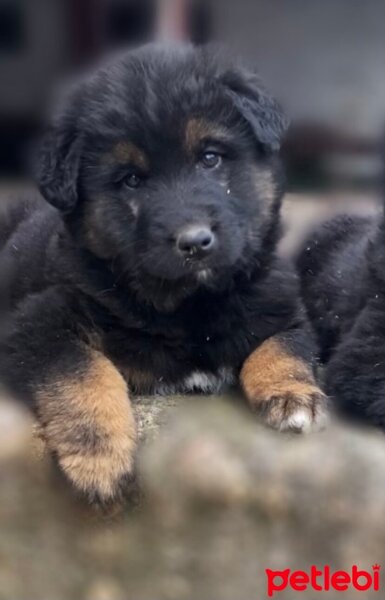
(343, 286)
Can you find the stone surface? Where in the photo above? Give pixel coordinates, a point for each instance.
(223, 498)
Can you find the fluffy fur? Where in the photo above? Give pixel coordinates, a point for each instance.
(343, 285)
(161, 140)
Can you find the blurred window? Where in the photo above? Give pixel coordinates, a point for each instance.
(129, 21)
(12, 27)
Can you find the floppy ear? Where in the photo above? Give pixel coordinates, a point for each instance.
(260, 110)
(58, 163)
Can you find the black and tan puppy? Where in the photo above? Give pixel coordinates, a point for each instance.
(343, 285)
(156, 271)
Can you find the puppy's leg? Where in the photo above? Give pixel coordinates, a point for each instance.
(88, 424)
(279, 383)
(78, 396)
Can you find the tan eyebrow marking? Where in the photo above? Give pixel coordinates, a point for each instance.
(199, 129)
(126, 152)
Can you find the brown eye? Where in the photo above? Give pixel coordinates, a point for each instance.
(211, 160)
(132, 181)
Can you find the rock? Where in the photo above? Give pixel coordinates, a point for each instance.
(105, 589)
(224, 498)
(152, 413)
(15, 430)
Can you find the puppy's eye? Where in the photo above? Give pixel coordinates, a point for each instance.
(211, 160)
(132, 181)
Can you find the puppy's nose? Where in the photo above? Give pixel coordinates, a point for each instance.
(195, 241)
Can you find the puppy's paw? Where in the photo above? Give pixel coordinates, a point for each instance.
(281, 386)
(90, 428)
(103, 476)
(297, 410)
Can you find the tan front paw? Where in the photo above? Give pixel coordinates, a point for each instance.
(297, 407)
(104, 476)
(281, 387)
(90, 428)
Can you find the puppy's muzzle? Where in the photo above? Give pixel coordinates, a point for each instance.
(196, 242)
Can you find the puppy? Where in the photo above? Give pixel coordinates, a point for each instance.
(154, 270)
(343, 286)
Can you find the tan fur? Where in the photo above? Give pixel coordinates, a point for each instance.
(278, 384)
(94, 214)
(127, 153)
(197, 130)
(265, 186)
(89, 424)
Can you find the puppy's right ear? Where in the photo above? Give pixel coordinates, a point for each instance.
(264, 115)
(58, 163)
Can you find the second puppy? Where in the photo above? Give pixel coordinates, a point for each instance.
(342, 268)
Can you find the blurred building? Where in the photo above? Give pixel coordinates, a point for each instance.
(324, 59)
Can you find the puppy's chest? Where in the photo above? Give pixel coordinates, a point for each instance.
(196, 381)
(169, 356)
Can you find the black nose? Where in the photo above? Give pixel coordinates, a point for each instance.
(195, 241)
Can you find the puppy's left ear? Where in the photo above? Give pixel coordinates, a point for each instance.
(257, 107)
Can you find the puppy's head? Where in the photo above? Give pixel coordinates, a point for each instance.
(165, 162)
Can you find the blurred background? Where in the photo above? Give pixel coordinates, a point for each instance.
(324, 60)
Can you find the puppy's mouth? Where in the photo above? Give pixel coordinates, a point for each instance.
(190, 274)
(167, 292)
(201, 272)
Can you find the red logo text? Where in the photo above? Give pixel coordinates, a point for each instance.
(323, 580)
